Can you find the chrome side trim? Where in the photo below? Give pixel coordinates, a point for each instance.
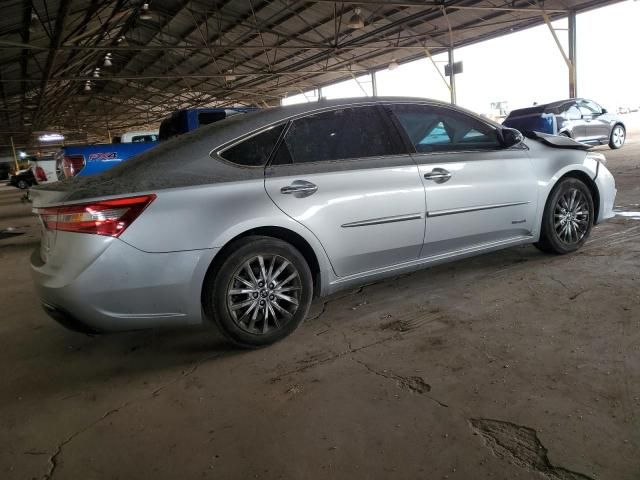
(453, 211)
(380, 221)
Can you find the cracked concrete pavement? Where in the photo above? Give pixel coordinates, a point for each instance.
(509, 365)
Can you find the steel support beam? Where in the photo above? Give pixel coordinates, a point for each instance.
(374, 84)
(452, 79)
(8, 45)
(423, 4)
(573, 66)
(56, 41)
(569, 58)
(84, 78)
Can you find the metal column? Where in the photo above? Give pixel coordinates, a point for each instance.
(452, 78)
(573, 71)
(374, 84)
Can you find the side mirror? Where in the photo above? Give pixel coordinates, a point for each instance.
(510, 137)
(604, 110)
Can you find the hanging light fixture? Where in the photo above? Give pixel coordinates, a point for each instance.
(107, 60)
(122, 41)
(96, 73)
(230, 77)
(393, 65)
(51, 137)
(356, 21)
(145, 12)
(32, 23)
(87, 86)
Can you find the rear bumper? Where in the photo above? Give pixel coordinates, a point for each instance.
(68, 321)
(607, 189)
(123, 288)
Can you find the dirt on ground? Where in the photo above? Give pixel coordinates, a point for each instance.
(510, 365)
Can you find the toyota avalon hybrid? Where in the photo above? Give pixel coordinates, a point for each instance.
(241, 223)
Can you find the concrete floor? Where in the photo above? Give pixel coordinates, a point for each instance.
(512, 365)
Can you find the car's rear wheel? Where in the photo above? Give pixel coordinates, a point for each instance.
(567, 217)
(260, 293)
(617, 138)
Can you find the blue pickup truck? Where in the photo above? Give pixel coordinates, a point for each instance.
(83, 160)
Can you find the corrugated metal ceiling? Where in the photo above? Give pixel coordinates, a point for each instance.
(193, 53)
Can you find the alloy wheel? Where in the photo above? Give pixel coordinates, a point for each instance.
(617, 136)
(571, 216)
(264, 294)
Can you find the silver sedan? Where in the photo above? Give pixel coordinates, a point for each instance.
(241, 223)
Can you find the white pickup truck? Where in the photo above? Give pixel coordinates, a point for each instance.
(142, 136)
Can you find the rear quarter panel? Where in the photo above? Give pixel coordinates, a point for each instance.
(551, 164)
(210, 216)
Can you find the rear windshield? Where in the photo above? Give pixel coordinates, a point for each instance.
(205, 118)
(532, 122)
(176, 124)
(144, 138)
(173, 126)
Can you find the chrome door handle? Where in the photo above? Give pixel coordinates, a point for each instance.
(299, 189)
(438, 175)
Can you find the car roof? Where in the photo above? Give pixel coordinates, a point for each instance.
(190, 159)
(560, 103)
(551, 107)
(302, 108)
(281, 113)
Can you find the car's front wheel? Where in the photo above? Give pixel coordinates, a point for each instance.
(260, 293)
(567, 217)
(22, 184)
(618, 136)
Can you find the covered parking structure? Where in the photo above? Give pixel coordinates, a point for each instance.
(510, 365)
(86, 68)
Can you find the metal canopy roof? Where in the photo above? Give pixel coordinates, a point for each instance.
(196, 53)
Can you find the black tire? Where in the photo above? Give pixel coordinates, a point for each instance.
(22, 184)
(616, 141)
(232, 276)
(554, 238)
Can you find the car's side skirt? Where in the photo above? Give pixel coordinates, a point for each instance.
(420, 263)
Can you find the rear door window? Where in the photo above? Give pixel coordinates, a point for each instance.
(345, 133)
(589, 108)
(573, 113)
(437, 129)
(255, 150)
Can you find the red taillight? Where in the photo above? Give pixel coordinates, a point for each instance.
(107, 217)
(72, 164)
(40, 175)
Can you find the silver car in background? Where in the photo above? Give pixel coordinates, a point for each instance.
(583, 120)
(242, 222)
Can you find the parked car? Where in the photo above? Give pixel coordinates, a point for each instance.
(86, 160)
(577, 118)
(242, 222)
(183, 121)
(22, 179)
(5, 168)
(139, 136)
